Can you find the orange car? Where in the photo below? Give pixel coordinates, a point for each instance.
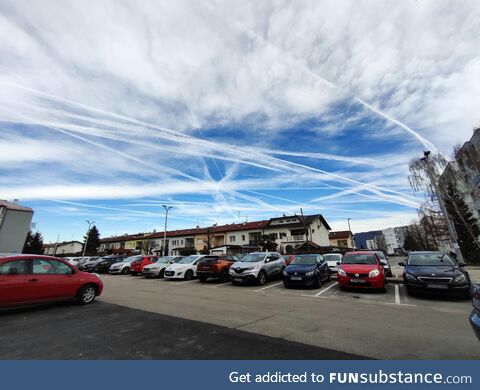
(215, 267)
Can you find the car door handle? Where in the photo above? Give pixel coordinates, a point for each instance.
(33, 280)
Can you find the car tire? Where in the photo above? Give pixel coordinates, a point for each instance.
(389, 274)
(318, 282)
(261, 278)
(188, 275)
(161, 274)
(343, 288)
(225, 277)
(125, 271)
(86, 294)
(202, 279)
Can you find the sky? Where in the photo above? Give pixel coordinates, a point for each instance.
(229, 110)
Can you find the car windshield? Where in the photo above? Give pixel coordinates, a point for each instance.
(133, 258)
(253, 257)
(332, 257)
(163, 260)
(188, 260)
(304, 260)
(359, 259)
(430, 259)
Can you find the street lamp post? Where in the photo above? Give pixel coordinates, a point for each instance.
(56, 245)
(438, 194)
(90, 223)
(350, 230)
(167, 208)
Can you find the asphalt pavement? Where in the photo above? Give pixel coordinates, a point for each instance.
(109, 331)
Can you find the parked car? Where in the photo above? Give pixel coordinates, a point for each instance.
(257, 267)
(475, 316)
(89, 264)
(33, 279)
(332, 259)
(435, 271)
(306, 270)
(215, 267)
(361, 270)
(184, 269)
(140, 261)
(157, 269)
(102, 266)
(121, 267)
(385, 263)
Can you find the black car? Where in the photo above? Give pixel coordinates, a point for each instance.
(306, 270)
(435, 272)
(475, 316)
(102, 266)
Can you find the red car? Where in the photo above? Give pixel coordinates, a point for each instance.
(140, 261)
(32, 279)
(361, 270)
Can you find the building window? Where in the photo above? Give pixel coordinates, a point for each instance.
(243, 237)
(232, 238)
(200, 241)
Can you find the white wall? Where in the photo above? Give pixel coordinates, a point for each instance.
(14, 226)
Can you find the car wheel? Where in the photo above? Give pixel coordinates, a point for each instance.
(86, 294)
(389, 274)
(318, 281)
(126, 271)
(161, 274)
(202, 279)
(189, 275)
(261, 278)
(225, 277)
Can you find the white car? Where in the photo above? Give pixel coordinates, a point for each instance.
(332, 259)
(122, 267)
(157, 269)
(184, 269)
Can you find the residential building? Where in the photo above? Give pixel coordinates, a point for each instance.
(362, 238)
(65, 248)
(15, 222)
(342, 239)
(289, 232)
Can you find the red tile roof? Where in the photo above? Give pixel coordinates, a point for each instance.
(340, 234)
(14, 206)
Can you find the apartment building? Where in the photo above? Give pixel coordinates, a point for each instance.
(14, 225)
(64, 248)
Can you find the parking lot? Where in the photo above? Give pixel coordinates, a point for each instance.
(391, 325)
(157, 318)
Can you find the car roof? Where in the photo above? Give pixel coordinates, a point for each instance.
(28, 256)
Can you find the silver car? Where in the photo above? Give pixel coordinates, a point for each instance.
(257, 267)
(157, 269)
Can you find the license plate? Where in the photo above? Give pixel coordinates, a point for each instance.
(357, 281)
(439, 286)
(296, 278)
(238, 279)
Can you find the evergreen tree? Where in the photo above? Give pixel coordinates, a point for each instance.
(33, 243)
(466, 225)
(411, 243)
(93, 241)
(268, 243)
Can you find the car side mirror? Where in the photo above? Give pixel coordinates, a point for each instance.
(338, 263)
(401, 264)
(462, 264)
(387, 257)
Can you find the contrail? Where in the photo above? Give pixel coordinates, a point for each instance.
(426, 143)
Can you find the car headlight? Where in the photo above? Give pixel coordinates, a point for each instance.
(310, 273)
(460, 278)
(373, 273)
(253, 267)
(341, 272)
(410, 277)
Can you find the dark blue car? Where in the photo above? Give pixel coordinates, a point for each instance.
(306, 270)
(475, 316)
(435, 272)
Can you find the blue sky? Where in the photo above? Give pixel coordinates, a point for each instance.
(228, 111)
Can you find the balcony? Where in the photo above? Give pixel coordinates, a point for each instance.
(297, 238)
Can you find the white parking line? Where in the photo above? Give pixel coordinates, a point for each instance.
(328, 288)
(272, 285)
(397, 295)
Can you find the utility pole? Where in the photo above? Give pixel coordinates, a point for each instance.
(56, 245)
(451, 230)
(350, 230)
(167, 208)
(90, 223)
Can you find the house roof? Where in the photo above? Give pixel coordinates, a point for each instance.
(14, 206)
(50, 245)
(340, 234)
